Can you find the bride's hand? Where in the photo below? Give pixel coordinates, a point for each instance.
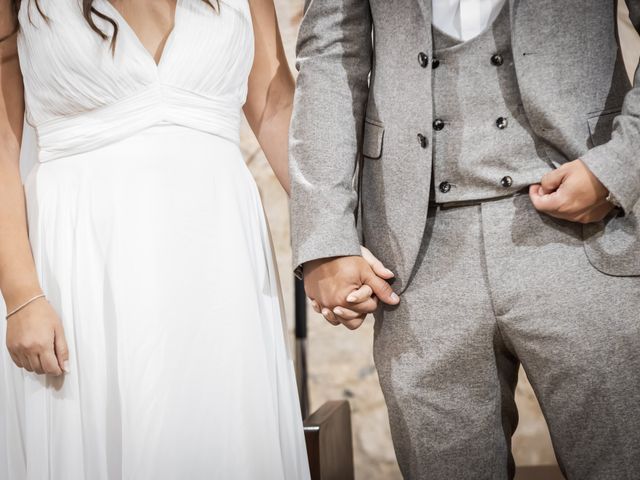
(36, 341)
(361, 295)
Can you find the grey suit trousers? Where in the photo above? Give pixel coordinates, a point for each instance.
(497, 284)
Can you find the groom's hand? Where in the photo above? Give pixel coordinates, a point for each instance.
(331, 282)
(571, 192)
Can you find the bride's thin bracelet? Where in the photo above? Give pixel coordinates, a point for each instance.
(28, 302)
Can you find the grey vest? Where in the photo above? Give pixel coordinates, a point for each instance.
(483, 145)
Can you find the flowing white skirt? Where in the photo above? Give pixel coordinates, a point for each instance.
(156, 254)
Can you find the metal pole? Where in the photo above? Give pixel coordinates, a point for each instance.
(301, 346)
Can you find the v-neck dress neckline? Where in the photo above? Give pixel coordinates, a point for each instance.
(123, 24)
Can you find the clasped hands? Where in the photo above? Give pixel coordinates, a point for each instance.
(346, 289)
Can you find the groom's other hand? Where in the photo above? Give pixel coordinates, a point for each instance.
(335, 283)
(571, 192)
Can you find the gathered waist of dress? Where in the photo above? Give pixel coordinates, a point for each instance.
(154, 106)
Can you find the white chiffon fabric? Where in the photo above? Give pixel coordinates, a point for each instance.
(151, 243)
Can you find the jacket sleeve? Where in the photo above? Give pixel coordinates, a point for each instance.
(617, 162)
(334, 53)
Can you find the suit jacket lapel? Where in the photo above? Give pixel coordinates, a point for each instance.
(425, 9)
(512, 15)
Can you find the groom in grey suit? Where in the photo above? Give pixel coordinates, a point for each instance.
(498, 177)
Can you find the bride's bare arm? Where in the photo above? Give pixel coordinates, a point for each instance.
(34, 335)
(17, 273)
(271, 88)
(268, 110)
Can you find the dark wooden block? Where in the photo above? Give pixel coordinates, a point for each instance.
(329, 443)
(546, 472)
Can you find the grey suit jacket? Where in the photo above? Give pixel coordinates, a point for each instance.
(362, 91)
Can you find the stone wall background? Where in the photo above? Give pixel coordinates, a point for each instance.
(340, 361)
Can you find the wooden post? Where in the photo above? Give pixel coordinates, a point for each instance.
(329, 442)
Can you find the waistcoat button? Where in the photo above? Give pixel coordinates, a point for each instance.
(445, 187)
(438, 124)
(502, 123)
(423, 140)
(423, 59)
(435, 63)
(506, 182)
(497, 60)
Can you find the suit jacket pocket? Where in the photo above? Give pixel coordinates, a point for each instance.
(613, 246)
(601, 125)
(372, 139)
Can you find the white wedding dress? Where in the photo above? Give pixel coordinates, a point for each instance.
(150, 241)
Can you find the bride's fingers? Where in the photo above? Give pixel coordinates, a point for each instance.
(61, 350)
(50, 364)
(316, 306)
(24, 361)
(360, 295)
(353, 324)
(36, 366)
(345, 314)
(15, 359)
(378, 267)
(370, 305)
(330, 317)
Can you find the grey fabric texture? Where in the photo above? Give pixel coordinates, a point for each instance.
(362, 90)
(472, 156)
(495, 284)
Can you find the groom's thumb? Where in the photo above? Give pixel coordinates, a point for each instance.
(381, 289)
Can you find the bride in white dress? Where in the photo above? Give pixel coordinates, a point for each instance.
(157, 351)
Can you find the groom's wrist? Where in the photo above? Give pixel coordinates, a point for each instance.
(299, 270)
(303, 255)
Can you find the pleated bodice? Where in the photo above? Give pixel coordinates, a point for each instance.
(80, 95)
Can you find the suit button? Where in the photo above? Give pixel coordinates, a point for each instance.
(435, 63)
(502, 123)
(438, 124)
(445, 187)
(423, 140)
(506, 182)
(423, 59)
(497, 60)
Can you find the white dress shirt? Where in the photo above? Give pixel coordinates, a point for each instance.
(465, 19)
